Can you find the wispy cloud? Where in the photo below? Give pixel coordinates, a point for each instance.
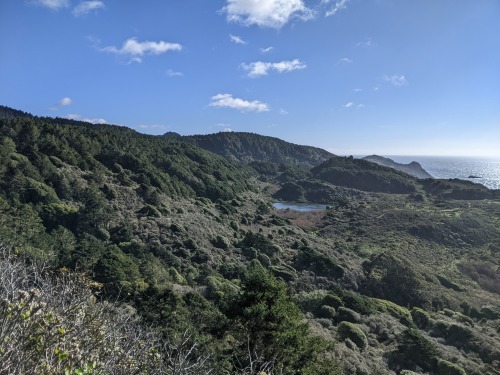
(283, 111)
(74, 116)
(267, 49)
(352, 105)
(228, 101)
(368, 42)
(397, 80)
(173, 73)
(266, 13)
(259, 68)
(236, 39)
(357, 90)
(339, 5)
(135, 49)
(65, 101)
(53, 4)
(86, 7)
(344, 60)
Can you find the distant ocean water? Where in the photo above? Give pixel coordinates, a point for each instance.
(488, 170)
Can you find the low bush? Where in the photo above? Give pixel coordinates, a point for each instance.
(352, 332)
(345, 314)
(420, 317)
(448, 368)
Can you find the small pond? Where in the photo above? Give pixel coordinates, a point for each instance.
(303, 207)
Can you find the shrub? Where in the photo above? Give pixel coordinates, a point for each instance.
(220, 242)
(345, 314)
(448, 368)
(326, 312)
(352, 332)
(332, 300)
(457, 335)
(415, 349)
(420, 317)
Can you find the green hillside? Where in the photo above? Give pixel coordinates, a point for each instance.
(249, 147)
(397, 275)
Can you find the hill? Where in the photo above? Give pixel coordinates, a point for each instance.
(249, 147)
(413, 169)
(397, 274)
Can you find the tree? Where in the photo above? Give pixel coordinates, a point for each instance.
(269, 328)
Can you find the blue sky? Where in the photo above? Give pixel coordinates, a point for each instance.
(392, 77)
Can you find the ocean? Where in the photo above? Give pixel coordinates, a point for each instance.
(488, 170)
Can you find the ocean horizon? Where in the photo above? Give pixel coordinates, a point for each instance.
(487, 169)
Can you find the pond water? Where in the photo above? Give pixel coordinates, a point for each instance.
(303, 207)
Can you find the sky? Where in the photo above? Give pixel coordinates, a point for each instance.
(354, 77)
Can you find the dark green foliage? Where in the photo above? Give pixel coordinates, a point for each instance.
(458, 189)
(333, 301)
(326, 312)
(270, 325)
(352, 332)
(397, 281)
(345, 314)
(291, 192)
(357, 302)
(420, 317)
(363, 175)
(220, 242)
(258, 242)
(448, 368)
(318, 263)
(248, 147)
(415, 350)
(458, 335)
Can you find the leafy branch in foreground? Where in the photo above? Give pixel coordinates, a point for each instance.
(51, 323)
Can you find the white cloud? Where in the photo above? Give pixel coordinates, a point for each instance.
(173, 73)
(94, 120)
(283, 111)
(86, 7)
(259, 68)
(227, 130)
(339, 5)
(136, 49)
(366, 43)
(357, 90)
(65, 101)
(266, 13)
(266, 50)
(345, 60)
(348, 105)
(53, 4)
(227, 101)
(75, 116)
(236, 39)
(397, 80)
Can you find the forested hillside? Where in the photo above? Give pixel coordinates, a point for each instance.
(396, 276)
(249, 147)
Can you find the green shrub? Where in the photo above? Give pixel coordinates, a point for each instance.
(448, 368)
(439, 329)
(326, 312)
(420, 317)
(345, 314)
(332, 300)
(415, 349)
(352, 332)
(220, 242)
(457, 335)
